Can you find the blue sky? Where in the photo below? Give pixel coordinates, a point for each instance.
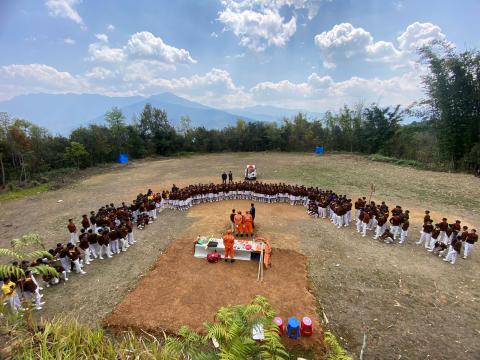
(310, 54)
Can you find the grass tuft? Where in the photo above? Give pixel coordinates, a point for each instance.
(21, 193)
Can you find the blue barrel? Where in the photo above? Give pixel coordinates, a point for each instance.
(319, 150)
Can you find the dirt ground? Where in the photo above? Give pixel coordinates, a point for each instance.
(410, 304)
(183, 290)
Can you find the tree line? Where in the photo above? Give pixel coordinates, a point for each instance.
(446, 137)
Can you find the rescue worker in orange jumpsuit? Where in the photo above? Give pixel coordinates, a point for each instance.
(248, 224)
(228, 241)
(238, 220)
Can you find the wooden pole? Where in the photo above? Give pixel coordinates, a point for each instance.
(372, 190)
(261, 263)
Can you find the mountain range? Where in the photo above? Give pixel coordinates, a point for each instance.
(61, 113)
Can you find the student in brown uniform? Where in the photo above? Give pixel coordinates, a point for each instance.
(114, 243)
(365, 221)
(129, 226)
(84, 247)
(404, 231)
(72, 230)
(29, 289)
(443, 226)
(426, 234)
(455, 250)
(381, 221)
(93, 221)
(387, 237)
(74, 256)
(62, 253)
(396, 221)
(92, 238)
(104, 243)
(85, 222)
(471, 239)
(434, 236)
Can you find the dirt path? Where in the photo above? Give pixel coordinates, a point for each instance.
(412, 305)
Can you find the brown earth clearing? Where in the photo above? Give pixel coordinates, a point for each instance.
(411, 304)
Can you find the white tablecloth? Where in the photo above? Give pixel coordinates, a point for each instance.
(239, 252)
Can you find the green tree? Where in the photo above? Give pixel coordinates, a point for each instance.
(76, 153)
(453, 97)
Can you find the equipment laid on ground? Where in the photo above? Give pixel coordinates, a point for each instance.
(250, 172)
(279, 322)
(293, 328)
(306, 326)
(213, 257)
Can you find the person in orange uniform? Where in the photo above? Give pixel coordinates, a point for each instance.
(228, 241)
(238, 220)
(248, 224)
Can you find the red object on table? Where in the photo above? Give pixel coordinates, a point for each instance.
(306, 326)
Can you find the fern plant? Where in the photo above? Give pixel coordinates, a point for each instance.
(17, 252)
(232, 331)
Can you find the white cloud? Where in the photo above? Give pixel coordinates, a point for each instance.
(110, 27)
(31, 78)
(102, 37)
(65, 9)
(345, 42)
(146, 45)
(258, 23)
(419, 34)
(140, 46)
(215, 87)
(99, 73)
(104, 53)
(258, 30)
(144, 70)
(323, 93)
(69, 41)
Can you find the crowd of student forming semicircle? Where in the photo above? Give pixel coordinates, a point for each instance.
(109, 231)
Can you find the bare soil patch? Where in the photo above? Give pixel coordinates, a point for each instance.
(183, 290)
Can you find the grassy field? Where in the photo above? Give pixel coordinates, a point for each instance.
(17, 194)
(410, 304)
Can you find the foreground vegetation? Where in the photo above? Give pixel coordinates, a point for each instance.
(447, 137)
(64, 338)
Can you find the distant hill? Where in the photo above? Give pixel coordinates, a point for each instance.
(272, 113)
(176, 107)
(61, 113)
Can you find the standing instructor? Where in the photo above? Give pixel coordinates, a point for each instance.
(252, 212)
